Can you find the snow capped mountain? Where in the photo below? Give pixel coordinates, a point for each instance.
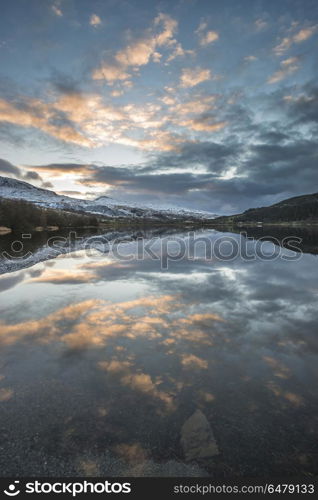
(14, 189)
(102, 200)
(103, 205)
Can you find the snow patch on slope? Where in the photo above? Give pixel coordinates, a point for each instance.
(20, 190)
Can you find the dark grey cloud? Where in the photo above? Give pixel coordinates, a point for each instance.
(47, 185)
(161, 183)
(31, 175)
(272, 136)
(304, 109)
(291, 167)
(9, 282)
(63, 83)
(212, 155)
(7, 168)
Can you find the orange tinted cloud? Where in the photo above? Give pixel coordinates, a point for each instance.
(38, 114)
(192, 361)
(203, 125)
(141, 51)
(192, 77)
(288, 66)
(301, 36)
(206, 36)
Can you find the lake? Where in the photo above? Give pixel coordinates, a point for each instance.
(108, 350)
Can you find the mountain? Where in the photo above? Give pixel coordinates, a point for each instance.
(14, 189)
(297, 209)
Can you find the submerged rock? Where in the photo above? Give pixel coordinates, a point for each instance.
(5, 230)
(197, 439)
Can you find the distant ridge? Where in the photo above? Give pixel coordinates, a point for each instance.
(20, 190)
(295, 209)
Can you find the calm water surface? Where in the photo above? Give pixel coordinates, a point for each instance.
(102, 360)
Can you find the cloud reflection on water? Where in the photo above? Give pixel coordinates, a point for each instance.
(236, 340)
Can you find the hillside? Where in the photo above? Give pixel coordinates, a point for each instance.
(297, 209)
(102, 207)
(24, 216)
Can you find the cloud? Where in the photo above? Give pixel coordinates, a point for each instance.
(250, 58)
(141, 51)
(209, 37)
(260, 24)
(82, 108)
(192, 77)
(276, 161)
(136, 54)
(56, 9)
(32, 176)
(47, 185)
(288, 66)
(64, 276)
(7, 168)
(156, 176)
(111, 73)
(37, 114)
(206, 36)
(291, 164)
(72, 193)
(129, 180)
(203, 124)
(250, 162)
(156, 140)
(95, 20)
(213, 156)
(6, 283)
(165, 37)
(197, 104)
(304, 34)
(284, 45)
(301, 36)
(303, 108)
(86, 120)
(190, 361)
(64, 83)
(179, 52)
(117, 92)
(60, 169)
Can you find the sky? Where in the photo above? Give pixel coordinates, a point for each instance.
(203, 104)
